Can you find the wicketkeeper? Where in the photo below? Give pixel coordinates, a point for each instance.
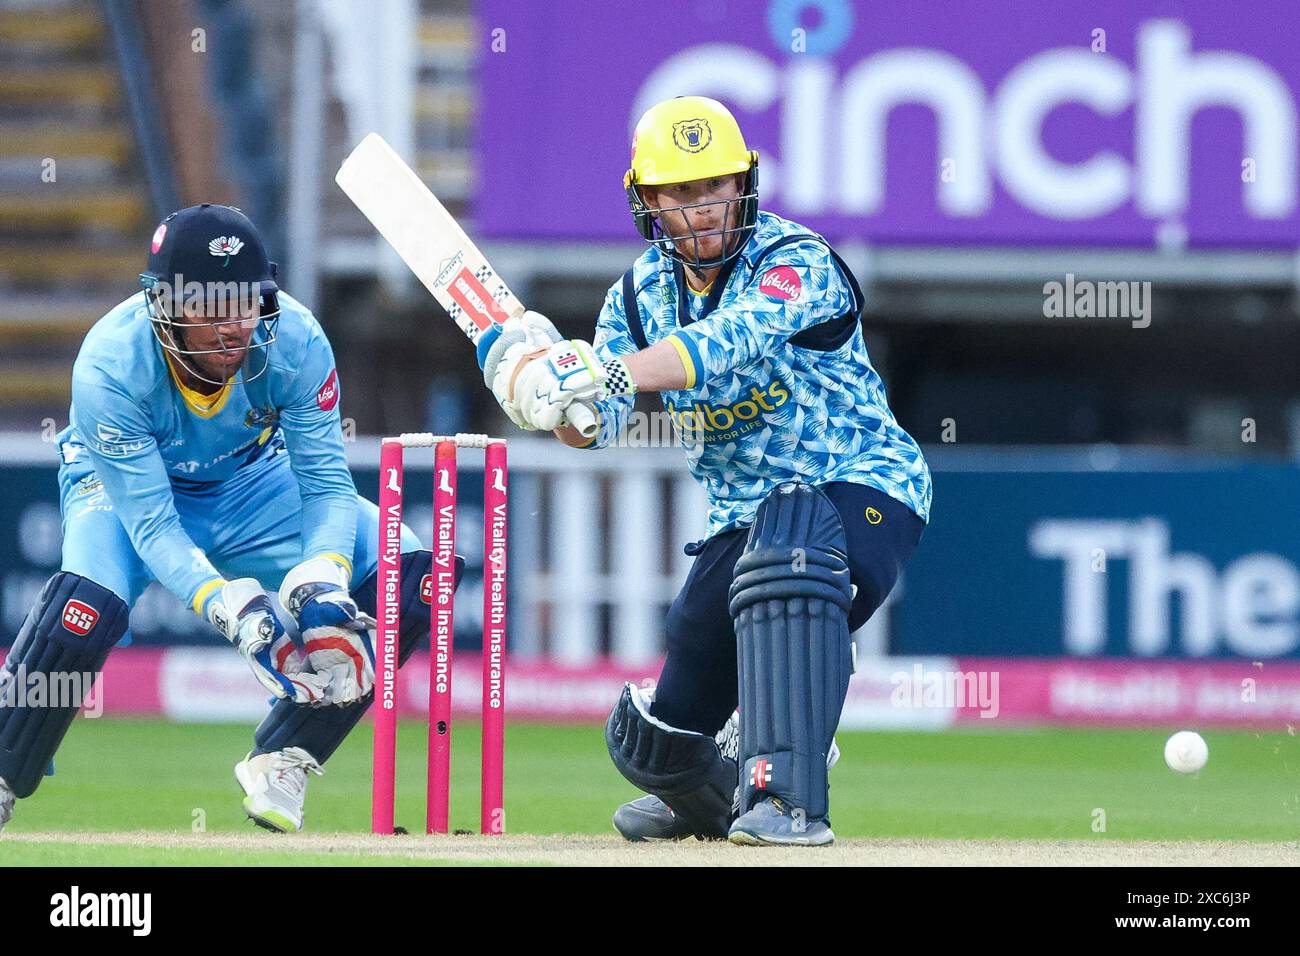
(747, 325)
(204, 451)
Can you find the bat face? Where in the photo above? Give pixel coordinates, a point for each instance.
(470, 296)
(435, 247)
(426, 236)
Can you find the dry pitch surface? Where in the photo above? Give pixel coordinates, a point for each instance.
(611, 851)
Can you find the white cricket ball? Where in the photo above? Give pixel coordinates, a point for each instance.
(1186, 751)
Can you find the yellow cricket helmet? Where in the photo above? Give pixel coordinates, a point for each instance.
(687, 138)
(682, 140)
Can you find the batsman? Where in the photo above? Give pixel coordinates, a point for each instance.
(205, 451)
(747, 325)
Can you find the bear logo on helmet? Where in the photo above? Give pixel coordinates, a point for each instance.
(692, 135)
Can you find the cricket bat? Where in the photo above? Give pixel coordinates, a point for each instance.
(436, 248)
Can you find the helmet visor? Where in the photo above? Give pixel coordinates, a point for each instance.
(676, 234)
(214, 335)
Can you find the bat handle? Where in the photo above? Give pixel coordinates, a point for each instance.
(583, 419)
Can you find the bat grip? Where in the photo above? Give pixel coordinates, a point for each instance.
(583, 419)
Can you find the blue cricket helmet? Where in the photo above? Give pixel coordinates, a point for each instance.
(207, 257)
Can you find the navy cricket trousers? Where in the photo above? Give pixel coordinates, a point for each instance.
(698, 687)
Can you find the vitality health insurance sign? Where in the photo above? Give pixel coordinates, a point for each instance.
(1052, 123)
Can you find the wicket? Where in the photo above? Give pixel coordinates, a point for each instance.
(442, 620)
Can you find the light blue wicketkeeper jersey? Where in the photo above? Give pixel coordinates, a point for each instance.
(133, 421)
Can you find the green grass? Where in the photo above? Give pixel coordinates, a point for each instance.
(59, 854)
(120, 774)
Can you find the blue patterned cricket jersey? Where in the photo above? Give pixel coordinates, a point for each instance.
(779, 384)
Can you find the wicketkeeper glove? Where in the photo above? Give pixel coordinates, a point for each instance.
(335, 634)
(242, 612)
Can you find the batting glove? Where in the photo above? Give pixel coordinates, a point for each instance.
(569, 372)
(521, 341)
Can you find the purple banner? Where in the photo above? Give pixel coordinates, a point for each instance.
(903, 122)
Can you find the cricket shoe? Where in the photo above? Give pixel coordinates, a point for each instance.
(649, 818)
(275, 785)
(772, 823)
(6, 803)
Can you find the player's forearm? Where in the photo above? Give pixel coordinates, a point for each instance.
(666, 366)
(660, 368)
(137, 488)
(329, 527)
(172, 557)
(179, 565)
(325, 486)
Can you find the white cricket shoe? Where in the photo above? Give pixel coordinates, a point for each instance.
(276, 786)
(6, 803)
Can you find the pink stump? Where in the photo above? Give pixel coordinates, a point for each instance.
(494, 637)
(442, 606)
(388, 615)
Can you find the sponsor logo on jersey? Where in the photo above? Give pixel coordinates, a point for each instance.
(265, 417)
(713, 422)
(874, 516)
(328, 396)
(426, 589)
(79, 617)
(109, 441)
(780, 282)
(159, 235)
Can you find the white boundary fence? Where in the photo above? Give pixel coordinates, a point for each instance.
(596, 545)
